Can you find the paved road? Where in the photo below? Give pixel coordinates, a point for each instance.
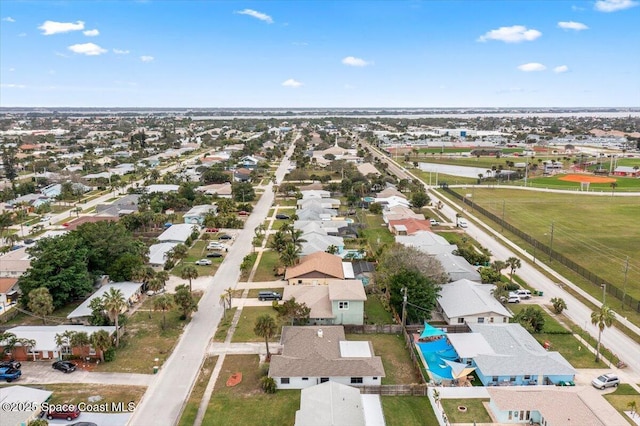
(165, 397)
(612, 338)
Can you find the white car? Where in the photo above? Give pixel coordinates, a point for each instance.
(605, 381)
(203, 262)
(513, 298)
(462, 223)
(434, 222)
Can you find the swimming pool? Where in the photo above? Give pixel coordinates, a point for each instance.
(434, 354)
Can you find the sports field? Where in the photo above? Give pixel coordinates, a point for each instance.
(597, 232)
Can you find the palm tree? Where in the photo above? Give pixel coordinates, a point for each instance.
(143, 274)
(63, 340)
(266, 327)
(498, 265)
(80, 339)
(163, 303)
(101, 341)
(189, 272)
(603, 317)
(613, 187)
(513, 263)
(279, 241)
(163, 277)
(179, 252)
(296, 237)
(114, 303)
(559, 304)
(289, 255)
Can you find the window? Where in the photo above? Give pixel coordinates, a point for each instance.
(356, 380)
(504, 319)
(480, 320)
(491, 319)
(284, 380)
(65, 350)
(343, 305)
(375, 378)
(299, 281)
(510, 415)
(92, 350)
(305, 378)
(460, 320)
(527, 377)
(324, 379)
(494, 379)
(512, 378)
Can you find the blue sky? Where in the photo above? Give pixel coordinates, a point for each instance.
(161, 53)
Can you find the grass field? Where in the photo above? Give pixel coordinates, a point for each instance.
(374, 311)
(621, 398)
(244, 330)
(376, 234)
(265, 270)
(246, 404)
(224, 325)
(75, 393)
(395, 357)
(599, 233)
(408, 411)
(475, 410)
(191, 408)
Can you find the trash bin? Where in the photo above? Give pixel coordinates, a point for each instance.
(540, 293)
(155, 369)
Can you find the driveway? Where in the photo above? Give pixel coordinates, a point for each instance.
(41, 372)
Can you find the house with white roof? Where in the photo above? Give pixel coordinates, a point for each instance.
(178, 233)
(316, 213)
(130, 291)
(323, 203)
(158, 254)
(161, 188)
(332, 403)
(16, 396)
(466, 301)
(196, 215)
(318, 241)
(393, 201)
(314, 193)
(312, 355)
(335, 302)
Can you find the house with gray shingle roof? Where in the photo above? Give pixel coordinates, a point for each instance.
(317, 354)
(337, 302)
(465, 301)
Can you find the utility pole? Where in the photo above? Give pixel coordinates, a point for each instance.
(502, 221)
(624, 285)
(404, 306)
(604, 293)
(551, 243)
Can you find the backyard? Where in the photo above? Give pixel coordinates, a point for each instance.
(408, 411)
(397, 363)
(475, 410)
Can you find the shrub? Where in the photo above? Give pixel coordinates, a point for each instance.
(264, 369)
(268, 384)
(109, 354)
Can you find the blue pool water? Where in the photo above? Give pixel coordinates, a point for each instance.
(369, 199)
(434, 354)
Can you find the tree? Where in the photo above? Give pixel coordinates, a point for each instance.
(80, 339)
(603, 317)
(422, 293)
(185, 301)
(488, 275)
(144, 275)
(243, 192)
(531, 318)
(265, 327)
(498, 266)
(633, 406)
(189, 272)
(38, 422)
(290, 310)
(501, 290)
(559, 304)
(59, 264)
(163, 303)
(225, 299)
(613, 187)
(114, 303)
(63, 340)
(289, 255)
(279, 241)
(9, 163)
(513, 263)
(41, 303)
(101, 341)
(179, 252)
(332, 249)
(419, 199)
(163, 277)
(375, 208)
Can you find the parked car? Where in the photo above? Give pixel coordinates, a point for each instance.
(269, 295)
(212, 230)
(522, 294)
(83, 424)
(434, 222)
(605, 381)
(64, 366)
(203, 262)
(9, 374)
(243, 213)
(10, 364)
(29, 241)
(215, 246)
(72, 412)
(462, 223)
(214, 254)
(511, 299)
(282, 216)
(225, 237)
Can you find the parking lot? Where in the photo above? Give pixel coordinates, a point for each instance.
(41, 372)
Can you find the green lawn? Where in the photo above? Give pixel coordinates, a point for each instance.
(599, 238)
(265, 271)
(145, 340)
(244, 330)
(75, 393)
(246, 403)
(622, 396)
(395, 357)
(58, 315)
(374, 311)
(196, 252)
(376, 232)
(224, 325)
(193, 403)
(475, 410)
(408, 411)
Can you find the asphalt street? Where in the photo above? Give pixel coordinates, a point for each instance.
(165, 397)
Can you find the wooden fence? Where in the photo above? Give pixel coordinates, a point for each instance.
(373, 329)
(393, 390)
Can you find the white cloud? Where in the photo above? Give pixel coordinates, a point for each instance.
(352, 61)
(12, 86)
(514, 34)
(146, 58)
(12, 69)
(255, 14)
(120, 52)
(91, 33)
(560, 69)
(8, 19)
(292, 83)
(614, 5)
(89, 49)
(53, 27)
(532, 66)
(570, 25)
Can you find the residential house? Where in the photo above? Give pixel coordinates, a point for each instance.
(316, 213)
(161, 188)
(250, 161)
(466, 301)
(72, 225)
(45, 338)
(550, 407)
(222, 190)
(315, 193)
(363, 270)
(337, 302)
(427, 241)
(8, 292)
(391, 192)
(158, 254)
(196, 215)
(393, 201)
(131, 292)
(408, 226)
(399, 212)
(506, 354)
(123, 206)
(323, 203)
(457, 267)
(178, 233)
(14, 263)
(320, 241)
(242, 175)
(333, 403)
(329, 227)
(29, 400)
(315, 269)
(313, 355)
(366, 169)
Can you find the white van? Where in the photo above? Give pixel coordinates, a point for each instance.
(462, 223)
(523, 294)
